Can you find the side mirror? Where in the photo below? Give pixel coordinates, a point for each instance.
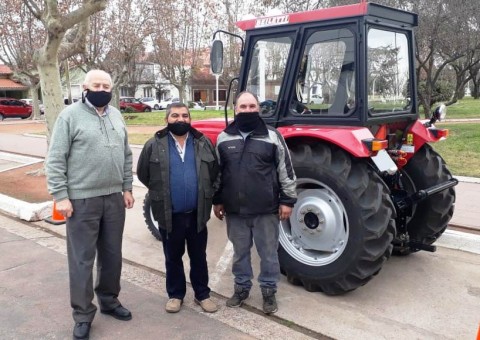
(440, 112)
(438, 115)
(216, 57)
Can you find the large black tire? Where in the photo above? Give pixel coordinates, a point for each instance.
(1, 117)
(431, 216)
(152, 224)
(341, 228)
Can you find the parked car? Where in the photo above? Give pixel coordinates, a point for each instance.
(152, 102)
(164, 103)
(134, 103)
(29, 101)
(11, 107)
(68, 102)
(316, 99)
(196, 106)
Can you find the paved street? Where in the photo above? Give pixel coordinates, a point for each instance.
(421, 296)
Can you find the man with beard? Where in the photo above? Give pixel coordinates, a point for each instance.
(257, 189)
(179, 167)
(89, 174)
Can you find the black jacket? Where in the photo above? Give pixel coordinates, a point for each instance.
(153, 172)
(256, 173)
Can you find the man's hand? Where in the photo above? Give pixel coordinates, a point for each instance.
(219, 211)
(284, 212)
(65, 208)
(128, 199)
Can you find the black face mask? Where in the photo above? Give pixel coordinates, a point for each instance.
(179, 128)
(99, 98)
(247, 121)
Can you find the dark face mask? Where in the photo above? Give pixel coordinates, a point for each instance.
(179, 128)
(99, 98)
(247, 121)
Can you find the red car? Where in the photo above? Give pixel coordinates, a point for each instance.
(11, 107)
(134, 103)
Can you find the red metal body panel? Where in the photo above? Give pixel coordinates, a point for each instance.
(316, 15)
(417, 136)
(348, 138)
(210, 127)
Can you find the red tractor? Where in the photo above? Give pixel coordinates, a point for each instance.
(339, 84)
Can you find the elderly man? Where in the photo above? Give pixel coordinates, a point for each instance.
(257, 190)
(89, 174)
(179, 167)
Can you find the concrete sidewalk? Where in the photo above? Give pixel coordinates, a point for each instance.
(35, 301)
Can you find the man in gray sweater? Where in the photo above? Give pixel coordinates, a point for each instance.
(89, 174)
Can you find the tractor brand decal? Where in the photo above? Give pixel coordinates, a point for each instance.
(272, 21)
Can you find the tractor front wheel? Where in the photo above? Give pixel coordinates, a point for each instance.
(152, 224)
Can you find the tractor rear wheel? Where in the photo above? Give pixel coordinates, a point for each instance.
(152, 224)
(431, 216)
(342, 226)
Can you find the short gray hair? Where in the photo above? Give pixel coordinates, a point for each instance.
(91, 73)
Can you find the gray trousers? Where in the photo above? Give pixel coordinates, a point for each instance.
(96, 227)
(264, 231)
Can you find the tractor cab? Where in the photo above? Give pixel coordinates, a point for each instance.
(349, 65)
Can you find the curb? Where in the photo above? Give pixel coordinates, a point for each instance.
(30, 212)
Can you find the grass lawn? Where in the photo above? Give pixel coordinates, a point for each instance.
(461, 150)
(158, 117)
(465, 108)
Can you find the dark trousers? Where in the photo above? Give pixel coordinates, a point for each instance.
(96, 227)
(184, 229)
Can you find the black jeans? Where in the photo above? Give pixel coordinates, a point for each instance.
(184, 228)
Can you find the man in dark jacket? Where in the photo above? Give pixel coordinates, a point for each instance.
(179, 167)
(257, 188)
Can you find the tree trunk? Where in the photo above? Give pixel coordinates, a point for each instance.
(48, 71)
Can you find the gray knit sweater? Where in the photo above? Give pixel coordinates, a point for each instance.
(88, 155)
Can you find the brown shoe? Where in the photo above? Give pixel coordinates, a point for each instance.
(173, 305)
(207, 305)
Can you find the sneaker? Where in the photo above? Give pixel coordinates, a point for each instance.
(173, 305)
(269, 301)
(238, 297)
(207, 305)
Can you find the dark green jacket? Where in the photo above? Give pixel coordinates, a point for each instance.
(153, 171)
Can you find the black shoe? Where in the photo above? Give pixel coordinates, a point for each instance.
(269, 301)
(119, 312)
(239, 295)
(81, 330)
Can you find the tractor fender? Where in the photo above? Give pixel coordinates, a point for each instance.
(348, 138)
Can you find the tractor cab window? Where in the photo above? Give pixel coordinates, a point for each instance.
(267, 69)
(388, 79)
(325, 82)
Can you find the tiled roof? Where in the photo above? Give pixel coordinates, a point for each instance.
(4, 69)
(7, 84)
